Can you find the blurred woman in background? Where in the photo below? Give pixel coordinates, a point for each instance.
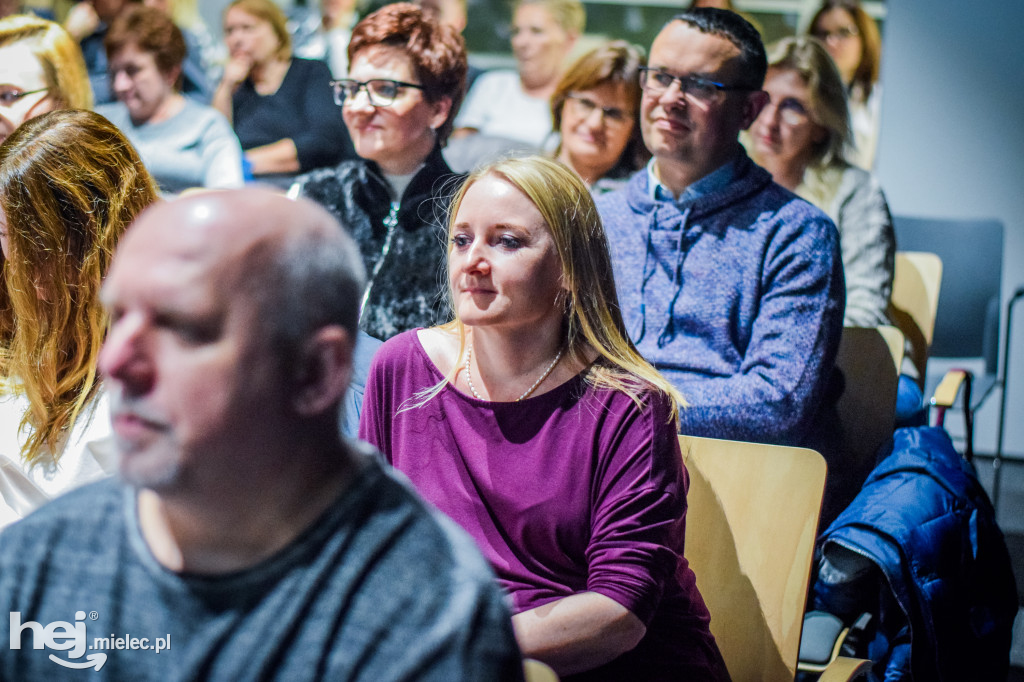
(851, 37)
(596, 111)
(280, 106)
(182, 142)
(41, 69)
(70, 184)
(514, 104)
(407, 75)
(800, 137)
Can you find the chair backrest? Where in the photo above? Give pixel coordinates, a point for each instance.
(869, 359)
(915, 303)
(967, 321)
(750, 529)
(538, 671)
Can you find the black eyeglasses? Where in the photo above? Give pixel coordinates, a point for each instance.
(9, 98)
(656, 82)
(586, 106)
(380, 91)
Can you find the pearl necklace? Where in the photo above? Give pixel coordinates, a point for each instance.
(531, 389)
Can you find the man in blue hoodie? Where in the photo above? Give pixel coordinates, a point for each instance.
(729, 284)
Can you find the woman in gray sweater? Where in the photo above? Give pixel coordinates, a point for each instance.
(800, 138)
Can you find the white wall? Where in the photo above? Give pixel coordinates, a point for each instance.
(952, 141)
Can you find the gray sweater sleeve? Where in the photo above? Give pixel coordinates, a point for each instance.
(868, 246)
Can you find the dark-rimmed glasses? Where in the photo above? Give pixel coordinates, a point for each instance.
(8, 98)
(655, 82)
(586, 106)
(380, 91)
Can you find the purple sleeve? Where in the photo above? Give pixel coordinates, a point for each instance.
(638, 519)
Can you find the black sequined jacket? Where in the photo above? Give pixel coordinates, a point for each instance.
(403, 244)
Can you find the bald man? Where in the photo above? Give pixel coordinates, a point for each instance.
(244, 538)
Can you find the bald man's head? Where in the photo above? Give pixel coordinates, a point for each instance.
(233, 321)
(291, 256)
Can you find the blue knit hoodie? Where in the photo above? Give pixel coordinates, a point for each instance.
(736, 296)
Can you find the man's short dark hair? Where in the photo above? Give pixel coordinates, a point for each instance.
(739, 32)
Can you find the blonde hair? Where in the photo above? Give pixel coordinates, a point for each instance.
(268, 11)
(185, 13)
(592, 320)
(808, 58)
(70, 184)
(58, 54)
(569, 14)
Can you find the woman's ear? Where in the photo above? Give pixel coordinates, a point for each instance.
(442, 107)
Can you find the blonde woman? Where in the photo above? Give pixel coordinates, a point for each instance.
(281, 106)
(532, 421)
(513, 105)
(41, 69)
(800, 137)
(70, 184)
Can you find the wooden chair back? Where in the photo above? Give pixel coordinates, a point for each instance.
(538, 671)
(750, 530)
(869, 359)
(915, 303)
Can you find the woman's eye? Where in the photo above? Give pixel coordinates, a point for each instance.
(460, 241)
(510, 242)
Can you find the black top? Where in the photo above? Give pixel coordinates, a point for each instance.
(404, 252)
(302, 109)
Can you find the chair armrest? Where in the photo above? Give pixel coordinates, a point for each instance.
(947, 390)
(844, 668)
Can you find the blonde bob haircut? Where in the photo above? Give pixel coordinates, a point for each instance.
(58, 54)
(808, 58)
(70, 184)
(592, 321)
(569, 14)
(268, 11)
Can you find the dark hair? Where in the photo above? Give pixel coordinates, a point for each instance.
(871, 54)
(437, 52)
(151, 31)
(739, 32)
(616, 61)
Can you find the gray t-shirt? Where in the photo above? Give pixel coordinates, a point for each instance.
(379, 588)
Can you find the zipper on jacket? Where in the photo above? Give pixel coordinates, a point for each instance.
(390, 223)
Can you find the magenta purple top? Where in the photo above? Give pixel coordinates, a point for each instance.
(577, 489)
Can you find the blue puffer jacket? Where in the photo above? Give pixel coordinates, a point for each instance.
(924, 520)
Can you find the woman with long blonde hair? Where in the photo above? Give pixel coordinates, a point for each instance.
(533, 422)
(41, 69)
(70, 184)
